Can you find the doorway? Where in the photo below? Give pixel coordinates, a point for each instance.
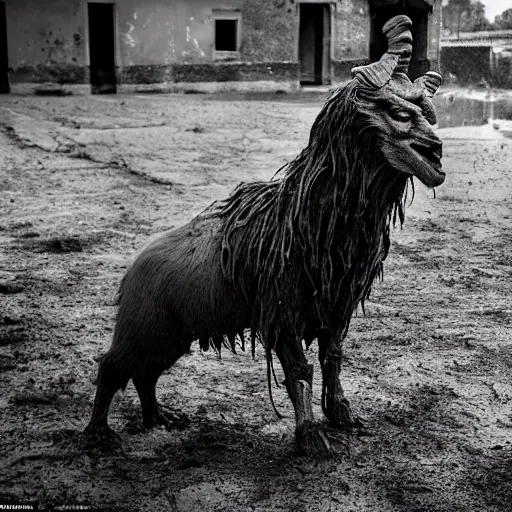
(4, 66)
(102, 48)
(314, 43)
(419, 63)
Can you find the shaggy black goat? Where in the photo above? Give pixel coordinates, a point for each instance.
(288, 259)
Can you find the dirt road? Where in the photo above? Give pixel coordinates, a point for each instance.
(87, 181)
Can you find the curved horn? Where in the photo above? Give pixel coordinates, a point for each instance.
(430, 81)
(397, 57)
(398, 32)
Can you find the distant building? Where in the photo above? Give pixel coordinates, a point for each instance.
(478, 58)
(112, 44)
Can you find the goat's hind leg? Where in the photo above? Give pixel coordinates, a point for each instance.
(153, 413)
(163, 351)
(114, 372)
(335, 405)
(309, 437)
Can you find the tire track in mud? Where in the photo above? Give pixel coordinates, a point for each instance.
(69, 146)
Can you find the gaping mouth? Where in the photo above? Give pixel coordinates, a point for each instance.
(428, 168)
(421, 158)
(431, 153)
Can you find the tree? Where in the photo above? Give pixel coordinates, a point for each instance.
(465, 16)
(504, 20)
(453, 13)
(476, 18)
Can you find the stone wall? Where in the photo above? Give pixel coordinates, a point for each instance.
(351, 30)
(149, 41)
(163, 41)
(351, 37)
(46, 41)
(179, 35)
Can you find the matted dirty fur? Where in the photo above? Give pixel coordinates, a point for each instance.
(302, 250)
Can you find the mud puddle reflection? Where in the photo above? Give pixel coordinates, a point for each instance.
(475, 108)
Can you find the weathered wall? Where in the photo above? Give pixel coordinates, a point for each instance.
(46, 40)
(168, 31)
(173, 40)
(476, 66)
(352, 30)
(175, 31)
(159, 39)
(351, 37)
(270, 30)
(154, 38)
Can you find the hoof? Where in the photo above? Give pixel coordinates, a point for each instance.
(168, 419)
(312, 440)
(100, 437)
(358, 423)
(340, 416)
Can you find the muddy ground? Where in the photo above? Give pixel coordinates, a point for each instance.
(86, 181)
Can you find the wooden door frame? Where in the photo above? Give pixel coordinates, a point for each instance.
(327, 71)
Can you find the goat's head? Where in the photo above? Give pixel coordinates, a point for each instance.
(401, 112)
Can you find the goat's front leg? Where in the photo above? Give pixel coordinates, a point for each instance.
(335, 405)
(299, 379)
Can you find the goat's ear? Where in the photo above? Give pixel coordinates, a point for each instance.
(430, 81)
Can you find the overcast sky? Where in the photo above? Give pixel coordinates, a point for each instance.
(494, 7)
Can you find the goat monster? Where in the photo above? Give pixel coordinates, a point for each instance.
(288, 260)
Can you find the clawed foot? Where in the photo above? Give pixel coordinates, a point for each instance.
(168, 419)
(102, 437)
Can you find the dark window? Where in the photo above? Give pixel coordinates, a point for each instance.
(226, 35)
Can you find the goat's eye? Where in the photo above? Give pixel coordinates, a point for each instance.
(400, 115)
